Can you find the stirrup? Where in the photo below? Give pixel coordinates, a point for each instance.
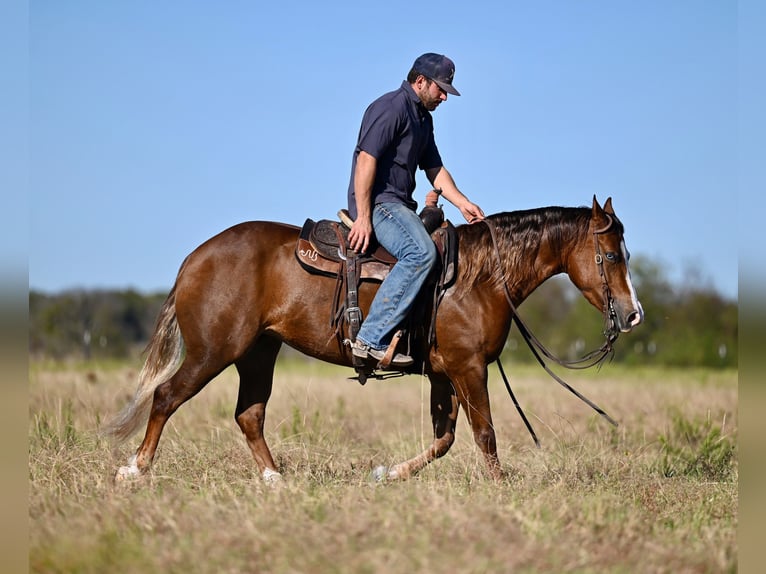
(362, 375)
(386, 360)
(391, 355)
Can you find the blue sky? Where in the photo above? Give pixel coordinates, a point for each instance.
(154, 125)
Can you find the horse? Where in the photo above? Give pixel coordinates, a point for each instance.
(242, 294)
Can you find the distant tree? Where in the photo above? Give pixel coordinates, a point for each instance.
(691, 325)
(91, 324)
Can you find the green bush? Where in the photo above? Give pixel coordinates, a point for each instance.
(698, 449)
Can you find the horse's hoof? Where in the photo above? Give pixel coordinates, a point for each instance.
(379, 474)
(271, 477)
(128, 473)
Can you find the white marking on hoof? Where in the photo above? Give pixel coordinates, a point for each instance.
(128, 472)
(271, 476)
(380, 473)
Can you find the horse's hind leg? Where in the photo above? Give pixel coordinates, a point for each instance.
(190, 379)
(256, 375)
(444, 409)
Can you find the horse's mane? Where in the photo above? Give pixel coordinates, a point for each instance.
(520, 235)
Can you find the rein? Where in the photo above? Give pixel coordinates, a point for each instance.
(593, 358)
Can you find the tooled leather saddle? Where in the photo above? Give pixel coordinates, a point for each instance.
(322, 248)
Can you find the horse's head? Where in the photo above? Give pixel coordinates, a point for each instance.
(601, 271)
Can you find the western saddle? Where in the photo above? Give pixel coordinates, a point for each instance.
(323, 249)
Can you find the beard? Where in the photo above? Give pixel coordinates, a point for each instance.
(429, 101)
(431, 105)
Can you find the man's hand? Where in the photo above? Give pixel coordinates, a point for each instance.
(432, 198)
(441, 179)
(471, 212)
(360, 235)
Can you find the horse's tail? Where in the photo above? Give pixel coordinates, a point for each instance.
(164, 355)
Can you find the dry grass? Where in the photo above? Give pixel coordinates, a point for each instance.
(657, 494)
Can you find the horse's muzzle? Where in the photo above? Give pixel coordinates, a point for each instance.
(632, 318)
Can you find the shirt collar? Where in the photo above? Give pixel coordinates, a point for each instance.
(413, 97)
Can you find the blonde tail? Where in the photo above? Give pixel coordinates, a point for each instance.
(164, 355)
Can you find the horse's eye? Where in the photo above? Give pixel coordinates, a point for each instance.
(612, 256)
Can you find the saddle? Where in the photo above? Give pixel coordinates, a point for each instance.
(322, 248)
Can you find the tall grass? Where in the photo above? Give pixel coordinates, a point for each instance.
(656, 494)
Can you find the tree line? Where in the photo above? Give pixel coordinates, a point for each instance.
(685, 325)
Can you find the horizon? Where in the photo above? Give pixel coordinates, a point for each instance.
(154, 127)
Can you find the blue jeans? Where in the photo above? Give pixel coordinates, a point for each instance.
(401, 232)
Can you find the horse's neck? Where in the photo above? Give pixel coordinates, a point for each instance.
(533, 266)
(536, 270)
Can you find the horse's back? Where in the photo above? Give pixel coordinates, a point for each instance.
(249, 235)
(251, 241)
(226, 273)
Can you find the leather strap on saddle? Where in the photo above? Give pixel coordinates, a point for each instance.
(353, 311)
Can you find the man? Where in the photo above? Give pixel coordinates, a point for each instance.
(397, 137)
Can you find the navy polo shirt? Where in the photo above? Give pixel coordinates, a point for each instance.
(399, 133)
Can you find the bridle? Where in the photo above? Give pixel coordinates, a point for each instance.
(611, 329)
(591, 359)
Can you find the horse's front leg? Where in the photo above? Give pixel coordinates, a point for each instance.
(444, 409)
(474, 397)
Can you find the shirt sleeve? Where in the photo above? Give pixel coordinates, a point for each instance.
(430, 157)
(379, 127)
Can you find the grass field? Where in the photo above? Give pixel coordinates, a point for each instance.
(656, 494)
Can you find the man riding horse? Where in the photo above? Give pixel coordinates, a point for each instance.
(397, 137)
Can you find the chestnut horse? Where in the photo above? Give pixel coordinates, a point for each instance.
(242, 293)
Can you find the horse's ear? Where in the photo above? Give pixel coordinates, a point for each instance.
(597, 211)
(599, 219)
(608, 206)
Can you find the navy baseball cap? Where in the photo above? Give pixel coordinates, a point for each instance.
(438, 68)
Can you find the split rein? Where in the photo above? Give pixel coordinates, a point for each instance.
(593, 358)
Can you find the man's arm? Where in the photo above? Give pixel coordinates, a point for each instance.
(364, 176)
(441, 179)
